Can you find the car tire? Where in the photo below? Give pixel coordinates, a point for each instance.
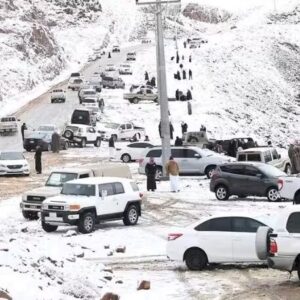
(131, 215)
(195, 259)
(68, 134)
(262, 242)
(30, 215)
(87, 222)
(98, 143)
(48, 227)
(126, 158)
(83, 143)
(273, 195)
(288, 169)
(135, 100)
(221, 192)
(209, 171)
(297, 198)
(158, 173)
(66, 146)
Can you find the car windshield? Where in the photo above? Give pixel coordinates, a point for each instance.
(45, 128)
(111, 125)
(11, 156)
(89, 101)
(58, 178)
(271, 171)
(78, 189)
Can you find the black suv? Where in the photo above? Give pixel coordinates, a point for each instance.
(246, 179)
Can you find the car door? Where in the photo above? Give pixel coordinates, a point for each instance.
(91, 133)
(191, 161)
(129, 131)
(214, 236)
(107, 202)
(243, 239)
(122, 130)
(120, 196)
(235, 177)
(253, 183)
(178, 155)
(137, 150)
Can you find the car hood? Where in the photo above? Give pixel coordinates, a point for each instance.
(69, 199)
(47, 191)
(13, 162)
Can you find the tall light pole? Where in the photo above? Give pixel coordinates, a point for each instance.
(162, 80)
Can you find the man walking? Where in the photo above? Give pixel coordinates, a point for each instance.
(190, 74)
(55, 142)
(111, 147)
(23, 128)
(172, 170)
(38, 159)
(184, 127)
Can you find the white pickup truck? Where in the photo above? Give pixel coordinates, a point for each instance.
(125, 131)
(289, 188)
(143, 94)
(281, 245)
(8, 125)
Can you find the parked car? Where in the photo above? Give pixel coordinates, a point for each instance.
(42, 139)
(132, 151)
(87, 93)
(222, 238)
(191, 160)
(246, 179)
(8, 125)
(75, 75)
(58, 95)
(267, 155)
(125, 69)
(110, 68)
(142, 94)
(289, 188)
(83, 116)
(131, 56)
(82, 135)
(281, 246)
(85, 202)
(121, 131)
(75, 83)
(113, 82)
(13, 163)
(96, 84)
(116, 48)
(198, 138)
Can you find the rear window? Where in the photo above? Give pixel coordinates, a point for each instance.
(58, 179)
(217, 224)
(293, 223)
(154, 153)
(254, 157)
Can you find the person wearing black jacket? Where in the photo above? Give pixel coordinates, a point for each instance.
(150, 170)
(178, 141)
(111, 147)
(38, 159)
(23, 128)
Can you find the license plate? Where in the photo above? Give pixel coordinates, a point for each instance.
(33, 206)
(52, 215)
(31, 142)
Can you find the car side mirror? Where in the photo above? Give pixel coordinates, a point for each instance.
(197, 155)
(103, 194)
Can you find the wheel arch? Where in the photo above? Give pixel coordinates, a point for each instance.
(194, 248)
(134, 202)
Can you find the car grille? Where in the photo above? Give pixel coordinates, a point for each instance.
(35, 198)
(14, 167)
(56, 207)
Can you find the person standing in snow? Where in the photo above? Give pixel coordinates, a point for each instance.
(182, 57)
(189, 95)
(101, 105)
(178, 75)
(150, 171)
(178, 141)
(109, 56)
(172, 170)
(38, 159)
(184, 128)
(55, 142)
(183, 75)
(190, 74)
(177, 57)
(146, 76)
(171, 131)
(153, 81)
(190, 58)
(23, 128)
(184, 44)
(111, 147)
(177, 94)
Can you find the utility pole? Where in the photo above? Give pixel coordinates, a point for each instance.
(162, 80)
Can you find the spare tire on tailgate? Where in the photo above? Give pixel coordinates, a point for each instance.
(68, 134)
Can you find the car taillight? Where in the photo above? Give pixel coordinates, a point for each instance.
(141, 161)
(141, 195)
(273, 247)
(174, 236)
(280, 184)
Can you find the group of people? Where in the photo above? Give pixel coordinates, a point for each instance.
(179, 95)
(151, 82)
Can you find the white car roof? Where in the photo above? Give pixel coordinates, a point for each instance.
(71, 170)
(99, 180)
(258, 149)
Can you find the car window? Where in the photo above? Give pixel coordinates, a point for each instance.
(268, 156)
(119, 189)
(191, 153)
(108, 187)
(293, 223)
(275, 154)
(217, 224)
(138, 145)
(254, 157)
(134, 186)
(86, 175)
(154, 153)
(122, 127)
(242, 157)
(233, 169)
(242, 224)
(177, 153)
(128, 126)
(251, 171)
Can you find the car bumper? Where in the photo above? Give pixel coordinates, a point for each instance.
(173, 253)
(9, 129)
(284, 263)
(30, 206)
(21, 171)
(57, 218)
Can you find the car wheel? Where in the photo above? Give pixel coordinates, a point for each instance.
(68, 134)
(131, 215)
(83, 143)
(288, 169)
(297, 198)
(48, 227)
(209, 171)
(66, 146)
(272, 194)
(30, 215)
(98, 143)
(158, 173)
(126, 158)
(195, 259)
(135, 100)
(87, 223)
(221, 192)
(49, 147)
(262, 242)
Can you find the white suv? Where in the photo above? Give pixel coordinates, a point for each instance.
(8, 125)
(191, 160)
(85, 202)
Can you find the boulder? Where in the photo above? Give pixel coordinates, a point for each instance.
(110, 296)
(4, 295)
(121, 249)
(144, 285)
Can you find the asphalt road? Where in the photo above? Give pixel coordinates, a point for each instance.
(41, 111)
